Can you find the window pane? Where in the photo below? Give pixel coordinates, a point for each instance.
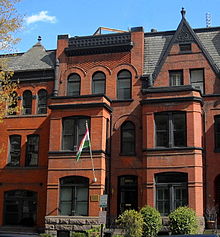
(124, 85)
(128, 138)
(162, 132)
(27, 102)
(197, 78)
(176, 78)
(15, 150)
(179, 124)
(32, 150)
(42, 102)
(81, 209)
(99, 87)
(65, 208)
(73, 85)
(66, 194)
(74, 195)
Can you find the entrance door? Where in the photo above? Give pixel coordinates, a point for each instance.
(20, 207)
(127, 193)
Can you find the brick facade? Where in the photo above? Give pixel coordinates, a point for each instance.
(142, 154)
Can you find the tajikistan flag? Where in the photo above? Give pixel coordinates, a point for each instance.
(85, 143)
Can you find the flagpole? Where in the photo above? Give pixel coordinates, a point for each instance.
(90, 150)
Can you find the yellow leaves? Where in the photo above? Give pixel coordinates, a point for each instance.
(8, 95)
(10, 23)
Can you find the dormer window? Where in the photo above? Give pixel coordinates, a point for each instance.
(185, 47)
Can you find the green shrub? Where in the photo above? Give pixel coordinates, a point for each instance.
(78, 234)
(183, 221)
(94, 232)
(132, 223)
(152, 221)
(46, 235)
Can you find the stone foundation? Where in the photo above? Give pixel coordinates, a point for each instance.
(69, 223)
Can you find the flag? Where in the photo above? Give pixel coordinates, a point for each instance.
(85, 143)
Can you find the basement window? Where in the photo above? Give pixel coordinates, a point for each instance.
(185, 47)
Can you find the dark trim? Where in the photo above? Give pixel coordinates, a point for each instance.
(99, 49)
(169, 89)
(172, 149)
(80, 106)
(81, 96)
(119, 101)
(172, 100)
(73, 153)
(137, 29)
(62, 37)
(211, 95)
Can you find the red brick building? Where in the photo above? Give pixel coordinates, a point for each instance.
(151, 101)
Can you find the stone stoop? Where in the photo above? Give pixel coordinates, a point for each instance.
(69, 223)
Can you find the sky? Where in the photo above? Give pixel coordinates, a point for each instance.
(50, 18)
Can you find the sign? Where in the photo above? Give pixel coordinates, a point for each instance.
(102, 217)
(103, 202)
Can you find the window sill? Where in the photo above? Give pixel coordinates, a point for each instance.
(26, 116)
(172, 148)
(118, 101)
(123, 154)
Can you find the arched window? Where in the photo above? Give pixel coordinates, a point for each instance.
(127, 193)
(20, 208)
(74, 129)
(73, 85)
(42, 102)
(74, 196)
(124, 85)
(128, 138)
(98, 83)
(14, 150)
(27, 102)
(171, 191)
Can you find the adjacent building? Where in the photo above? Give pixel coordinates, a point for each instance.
(152, 104)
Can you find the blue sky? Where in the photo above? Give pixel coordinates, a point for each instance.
(49, 18)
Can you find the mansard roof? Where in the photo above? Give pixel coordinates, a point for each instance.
(36, 58)
(158, 44)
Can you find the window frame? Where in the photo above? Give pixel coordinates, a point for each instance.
(170, 129)
(27, 103)
(74, 133)
(132, 141)
(30, 152)
(202, 82)
(175, 72)
(79, 182)
(167, 183)
(97, 78)
(122, 78)
(185, 47)
(10, 163)
(42, 106)
(74, 81)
